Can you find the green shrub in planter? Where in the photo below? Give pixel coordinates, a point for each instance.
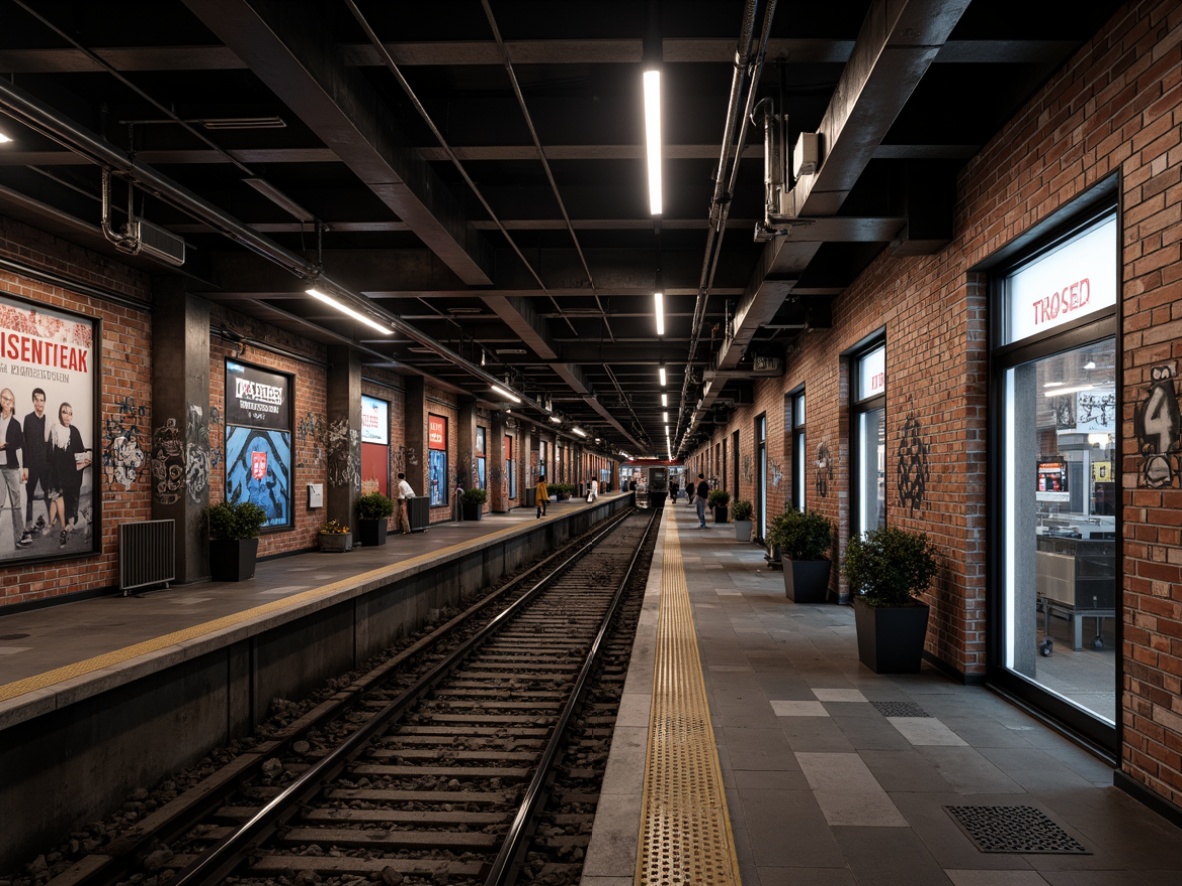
(233, 539)
(741, 510)
(475, 496)
(375, 506)
(718, 498)
(230, 521)
(889, 566)
(801, 535)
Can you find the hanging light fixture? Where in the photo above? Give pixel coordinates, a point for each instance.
(652, 138)
(348, 311)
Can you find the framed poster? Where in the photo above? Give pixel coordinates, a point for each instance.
(49, 426)
(259, 464)
(375, 445)
(437, 459)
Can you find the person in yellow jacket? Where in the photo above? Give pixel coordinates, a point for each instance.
(542, 496)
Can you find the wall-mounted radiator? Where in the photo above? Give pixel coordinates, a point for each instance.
(147, 554)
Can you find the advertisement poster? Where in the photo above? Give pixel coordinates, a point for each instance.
(259, 464)
(480, 469)
(375, 445)
(49, 371)
(437, 459)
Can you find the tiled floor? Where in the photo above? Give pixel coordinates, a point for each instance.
(835, 775)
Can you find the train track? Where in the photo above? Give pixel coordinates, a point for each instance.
(433, 768)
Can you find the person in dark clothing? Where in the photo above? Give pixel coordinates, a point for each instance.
(68, 458)
(12, 465)
(36, 461)
(700, 495)
(673, 487)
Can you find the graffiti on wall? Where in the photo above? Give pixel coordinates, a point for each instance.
(1158, 426)
(310, 431)
(168, 463)
(342, 444)
(824, 469)
(405, 457)
(914, 469)
(748, 474)
(777, 473)
(197, 456)
(122, 455)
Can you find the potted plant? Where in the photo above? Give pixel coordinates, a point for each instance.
(887, 570)
(335, 536)
(718, 500)
(234, 539)
(373, 513)
(562, 490)
(472, 503)
(741, 514)
(803, 538)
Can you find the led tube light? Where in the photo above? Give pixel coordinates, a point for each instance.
(499, 390)
(348, 311)
(659, 311)
(652, 138)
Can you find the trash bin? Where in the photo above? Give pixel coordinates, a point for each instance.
(418, 510)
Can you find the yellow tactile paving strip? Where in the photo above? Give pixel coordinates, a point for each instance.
(685, 832)
(147, 647)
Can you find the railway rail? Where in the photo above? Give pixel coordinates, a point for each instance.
(435, 766)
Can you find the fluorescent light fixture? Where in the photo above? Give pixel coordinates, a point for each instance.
(664, 399)
(659, 311)
(556, 419)
(242, 123)
(345, 309)
(665, 417)
(652, 138)
(626, 455)
(4, 138)
(497, 389)
(661, 374)
(280, 199)
(1054, 384)
(579, 431)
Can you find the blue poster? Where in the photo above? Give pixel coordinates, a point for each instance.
(259, 469)
(437, 462)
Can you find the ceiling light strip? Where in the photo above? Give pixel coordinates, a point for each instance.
(652, 139)
(348, 311)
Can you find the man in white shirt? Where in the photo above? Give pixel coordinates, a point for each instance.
(405, 494)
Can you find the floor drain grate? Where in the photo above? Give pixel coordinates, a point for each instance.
(900, 709)
(1014, 829)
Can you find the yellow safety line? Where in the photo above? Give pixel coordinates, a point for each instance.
(118, 656)
(685, 831)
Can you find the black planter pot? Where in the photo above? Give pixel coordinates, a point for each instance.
(890, 639)
(372, 532)
(472, 510)
(720, 514)
(806, 581)
(232, 559)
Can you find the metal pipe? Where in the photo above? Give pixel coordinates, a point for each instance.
(742, 54)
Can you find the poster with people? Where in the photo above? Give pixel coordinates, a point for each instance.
(49, 371)
(259, 466)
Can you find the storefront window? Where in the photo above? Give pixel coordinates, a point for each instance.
(870, 440)
(799, 453)
(1058, 583)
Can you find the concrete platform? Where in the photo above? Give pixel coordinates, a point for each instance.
(836, 776)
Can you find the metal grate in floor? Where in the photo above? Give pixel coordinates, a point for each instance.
(900, 709)
(1021, 830)
(685, 828)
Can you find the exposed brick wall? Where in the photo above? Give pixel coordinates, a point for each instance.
(310, 379)
(1115, 107)
(126, 384)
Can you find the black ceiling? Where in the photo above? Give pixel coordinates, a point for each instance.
(493, 264)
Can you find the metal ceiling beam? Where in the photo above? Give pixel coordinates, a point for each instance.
(32, 60)
(897, 44)
(286, 46)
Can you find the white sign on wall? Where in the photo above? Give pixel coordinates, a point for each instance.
(1075, 279)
